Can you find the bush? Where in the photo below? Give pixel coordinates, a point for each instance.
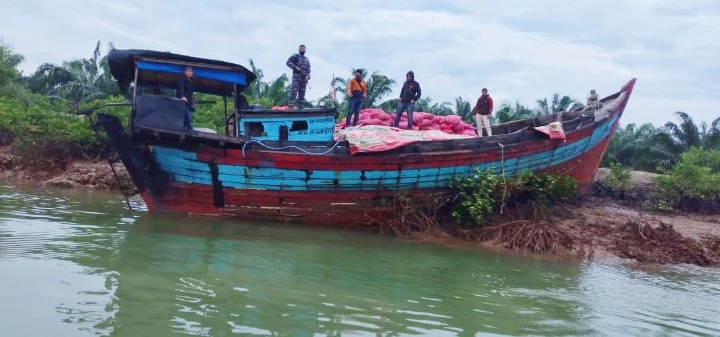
(618, 180)
(693, 184)
(46, 133)
(477, 198)
(474, 198)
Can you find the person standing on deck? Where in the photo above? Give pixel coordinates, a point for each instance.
(482, 111)
(409, 94)
(300, 66)
(593, 101)
(185, 92)
(356, 90)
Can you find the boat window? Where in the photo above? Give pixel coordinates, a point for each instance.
(299, 125)
(254, 129)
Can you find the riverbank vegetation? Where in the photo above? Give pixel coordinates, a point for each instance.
(542, 214)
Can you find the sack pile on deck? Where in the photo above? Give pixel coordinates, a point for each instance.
(451, 124)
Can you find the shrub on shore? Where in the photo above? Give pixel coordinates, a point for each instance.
(44, 133)
(692, 185)
(476, 199)
(515, 211)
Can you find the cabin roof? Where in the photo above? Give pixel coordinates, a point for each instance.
(163, 70)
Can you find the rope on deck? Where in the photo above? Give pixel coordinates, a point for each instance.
(502, 164)
(287, 147)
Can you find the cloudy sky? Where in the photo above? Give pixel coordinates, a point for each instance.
(520, 50)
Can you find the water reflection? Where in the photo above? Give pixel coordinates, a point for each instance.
(299, 281)
(81, 262)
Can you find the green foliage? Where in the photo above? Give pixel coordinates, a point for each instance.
(650, 149)
(557, 104)
(477, 198)
(693, 184)
(44, 132)
(47, 133)
(543, 188)
(474, 198)
(210, 112)
(509, 113)
(77, 81)
(9, 61)
(618, 180)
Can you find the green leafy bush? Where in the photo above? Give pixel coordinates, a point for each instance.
(693, 184)
(477, 198)
(46, 132)
(618, 181)
(474, 198)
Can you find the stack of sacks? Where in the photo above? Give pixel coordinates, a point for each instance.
(451, 124)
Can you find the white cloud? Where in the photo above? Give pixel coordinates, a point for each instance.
(520, 50)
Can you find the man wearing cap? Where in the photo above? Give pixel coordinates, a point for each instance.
(482, 111)
(356, 90)
(300, 66)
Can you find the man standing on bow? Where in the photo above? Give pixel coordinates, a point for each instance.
(300, 66)
(482, 111)
(409, 94)
(356, 90)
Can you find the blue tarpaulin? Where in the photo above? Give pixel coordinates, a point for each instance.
(212, 74)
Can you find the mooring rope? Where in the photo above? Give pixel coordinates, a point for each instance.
(502, 164)
(288, 147)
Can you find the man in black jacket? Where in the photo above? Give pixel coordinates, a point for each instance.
(409, 94)
(185, 92)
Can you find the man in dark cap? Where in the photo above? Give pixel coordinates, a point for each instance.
(300, 66)
(409, 94)
(356, 90)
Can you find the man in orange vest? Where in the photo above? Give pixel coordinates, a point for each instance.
(356, 90)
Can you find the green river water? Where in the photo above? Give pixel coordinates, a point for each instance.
(77, 263)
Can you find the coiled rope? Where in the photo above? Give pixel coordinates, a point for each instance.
(288, 147)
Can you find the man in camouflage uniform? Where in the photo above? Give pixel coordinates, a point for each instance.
(300, 65)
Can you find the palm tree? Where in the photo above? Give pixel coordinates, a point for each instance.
(711, 134)
(9, 61)
(463, 109)
(633, 147)
(564, 103)
(87, 79)
(47, 79)
(77, 81)
(674, 139)
(11, 80)
(378, 86)
(508, 113)
(278, 90)
(425, 104)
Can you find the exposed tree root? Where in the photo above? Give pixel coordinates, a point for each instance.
(533, 230)
(414, 218)
(663, 244)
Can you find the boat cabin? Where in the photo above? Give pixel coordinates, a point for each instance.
(313, 125)
(155, 76)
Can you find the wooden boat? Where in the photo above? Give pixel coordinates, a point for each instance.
(285, 165)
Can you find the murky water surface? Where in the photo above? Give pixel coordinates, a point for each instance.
(78, 263)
